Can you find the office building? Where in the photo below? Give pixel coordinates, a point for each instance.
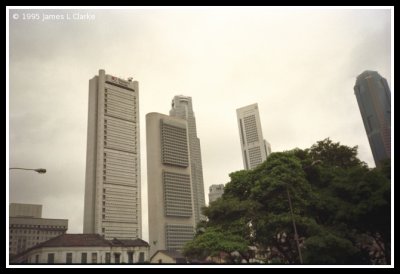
(255, 149)
(373, 98)
(170, 197)
(112, 188)
(85, 249)
(216, 192)
(267, 147)
(27, 228)
(182, 108)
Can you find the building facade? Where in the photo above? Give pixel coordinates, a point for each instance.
(216, 192)
(373, 98)
(170, 196)
(255, 149)
(112, 185)
(27, 228)
(168, 257)
(182, 107)
(85, 249)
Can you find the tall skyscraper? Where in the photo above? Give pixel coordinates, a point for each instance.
(216, 192)
(112, 189)
(182, 108)
(373, 98)
(255, 149)
(170, 196)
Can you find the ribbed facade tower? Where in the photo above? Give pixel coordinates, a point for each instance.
(255, 149)
(170, 196)
(182, 108)
(112, 188)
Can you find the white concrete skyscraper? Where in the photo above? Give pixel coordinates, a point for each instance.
(171, 215)
(182, 108)
(255, 149)
(112, 187)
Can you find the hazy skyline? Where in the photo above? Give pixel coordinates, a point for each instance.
(299, 65)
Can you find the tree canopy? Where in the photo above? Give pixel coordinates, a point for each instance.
(341, 209)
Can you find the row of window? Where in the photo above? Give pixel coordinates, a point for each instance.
(251, 129)
(120, 124)
(255, 156)
(119, 115)
(94, 258)
(124, 95)
(172, 153)
(34, 231)
(178, 235)
(35, 226)
(177, 194)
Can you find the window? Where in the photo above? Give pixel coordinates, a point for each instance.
(94, 258)
(141, 257)
(117, 257)
(130, 257)
(160, 261)
(108, 258)
(37, 258)
(69, 258)
(50, 258)
(84, 258)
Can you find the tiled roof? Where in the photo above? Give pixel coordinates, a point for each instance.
(68, 240)
(135, 242)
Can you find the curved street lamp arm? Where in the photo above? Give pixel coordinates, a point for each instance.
(38, 170)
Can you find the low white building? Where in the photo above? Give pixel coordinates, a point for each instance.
(85, 249)
(168, 257)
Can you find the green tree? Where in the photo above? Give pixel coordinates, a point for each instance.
(212, 242)
(340, 207)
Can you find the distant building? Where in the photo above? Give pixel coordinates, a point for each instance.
(373, 98)
(85, 249)
(168, 257)
(112, 189)
(170, 197)
(267, 147)
(216, 191)
(27, 227)
(255, 149)
(182, 108)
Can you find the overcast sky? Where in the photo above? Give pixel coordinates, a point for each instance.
(299, 65)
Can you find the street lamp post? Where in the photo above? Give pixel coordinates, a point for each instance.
(296, 236)
(38, 170)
